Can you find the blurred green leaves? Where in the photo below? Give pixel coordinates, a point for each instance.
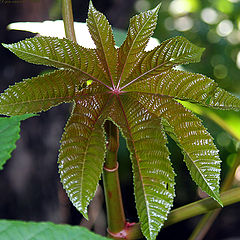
(224, 6)
(210, 24)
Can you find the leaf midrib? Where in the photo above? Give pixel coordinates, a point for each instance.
(85, 152)
(206, 182)
(133, 43)
(139, 170)
(153, 69)
(103, 50)
(65, 65)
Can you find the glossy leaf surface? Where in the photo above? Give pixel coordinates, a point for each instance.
(140, 30)
(41, 231)
(227, 120)
(139, 91)
(102, 36)
(9, 134)
(153, 174)
(59, 53)
(82, 150)
(168, 54)
(40, 93)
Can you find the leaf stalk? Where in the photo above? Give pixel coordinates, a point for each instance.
(202, 206)
(207, 220)
(118, 228)
(112, 191)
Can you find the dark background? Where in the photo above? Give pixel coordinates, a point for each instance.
(29, 184)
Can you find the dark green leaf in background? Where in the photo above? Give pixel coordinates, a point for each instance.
(9, 134)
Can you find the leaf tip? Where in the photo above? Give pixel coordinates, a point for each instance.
(5, 45)
(158, 6)
(156, 9)
(91, 5)
(84, 213)
(219, 201)
(201, 50)
(217, 198)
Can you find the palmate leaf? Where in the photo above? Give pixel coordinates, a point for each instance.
(139, 91)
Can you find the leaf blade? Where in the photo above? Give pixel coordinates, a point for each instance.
(12, 229)
(221, 99)
(187, 86)
(40, 93)
(102, 36)
(201, 155)
(153, 174)
(59, 53)
(140, 30)
(82, 150)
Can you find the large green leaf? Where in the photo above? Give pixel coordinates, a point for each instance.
(102, 35)
(9, 134)
(19, 230)
(153, 174)
(82, 150)
(140, 30)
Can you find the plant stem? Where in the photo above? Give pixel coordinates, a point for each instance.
(115, 212)
(68, 20)
(202, 206)
(206, 222)
(118, 228)
(228, 181)
(204, 225)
